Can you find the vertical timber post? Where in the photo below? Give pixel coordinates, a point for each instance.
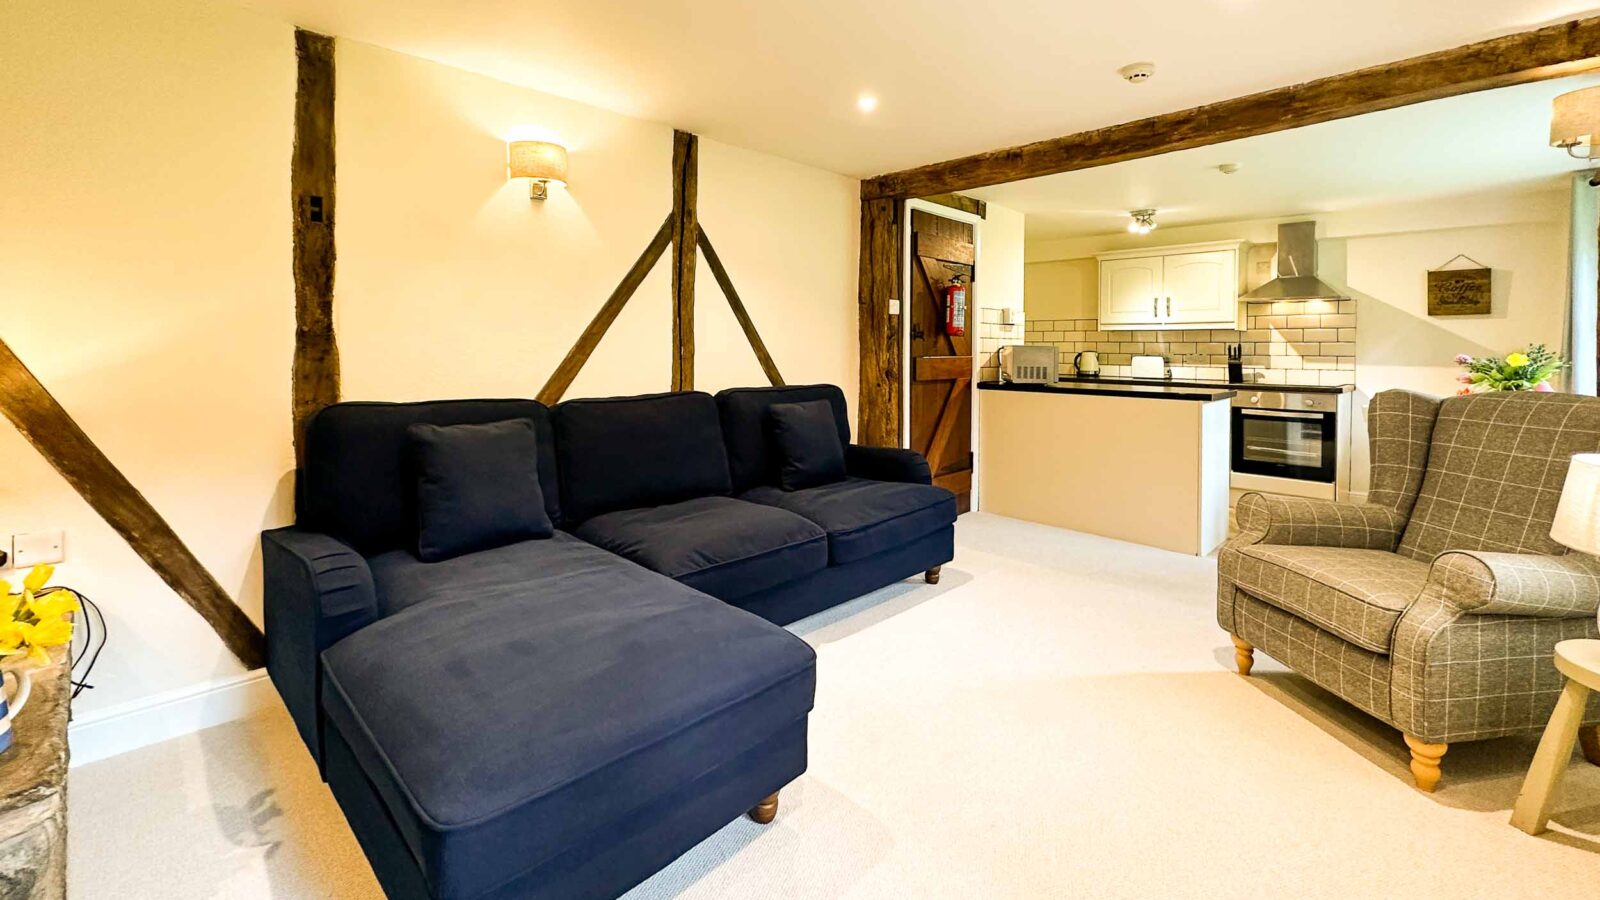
(685, 231)
(311, 178)
(878, 412)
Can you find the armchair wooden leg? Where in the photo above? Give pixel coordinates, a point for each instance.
(1589, 741)
(1550, 761)
(1244, 655)
(1425, 762)
(764, 812)
(932, 575)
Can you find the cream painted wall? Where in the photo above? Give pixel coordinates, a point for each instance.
(1062, 289)
(144, 246)
(452, 283)
(145, 252)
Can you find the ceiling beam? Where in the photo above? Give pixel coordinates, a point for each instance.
(1544, 53)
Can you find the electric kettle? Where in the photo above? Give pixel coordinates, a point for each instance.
(1087, 363)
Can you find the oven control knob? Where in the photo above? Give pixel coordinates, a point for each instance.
(1255, 398)
(1310, 402)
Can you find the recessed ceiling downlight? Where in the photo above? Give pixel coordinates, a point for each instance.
(866, 103)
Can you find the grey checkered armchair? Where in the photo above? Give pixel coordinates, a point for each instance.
(1437, 604)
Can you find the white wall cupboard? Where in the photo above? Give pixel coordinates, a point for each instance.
(1189, 286)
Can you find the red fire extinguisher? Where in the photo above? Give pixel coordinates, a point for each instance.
(955, 307)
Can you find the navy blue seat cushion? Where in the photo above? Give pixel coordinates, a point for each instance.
(505, 720)
(477, 487)
(402, 581)
(725, 547)
(753, 460)
(862, 517)
(629, 452)
(358, 482)
(809, 450)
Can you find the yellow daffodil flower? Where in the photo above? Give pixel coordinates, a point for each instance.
(53, 605)
(1516, 359)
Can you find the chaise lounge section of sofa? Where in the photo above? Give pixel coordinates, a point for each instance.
(561, 717)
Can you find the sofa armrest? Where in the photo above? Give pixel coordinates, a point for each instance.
(318, 589)
(1300, 521)
(1518, 584)
(887, 464)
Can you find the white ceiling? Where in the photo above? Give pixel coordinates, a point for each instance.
(1494, 140)
(953, 76)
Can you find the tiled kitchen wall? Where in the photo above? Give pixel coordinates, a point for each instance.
(1286, 342)
(992, 335)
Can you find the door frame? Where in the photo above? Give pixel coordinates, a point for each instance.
(974, 318)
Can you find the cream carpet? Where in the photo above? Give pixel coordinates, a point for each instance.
(1059, 718)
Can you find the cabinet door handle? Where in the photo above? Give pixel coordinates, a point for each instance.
(1169, 307)
(1155, 307)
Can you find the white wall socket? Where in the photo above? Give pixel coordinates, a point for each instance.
(38, 548)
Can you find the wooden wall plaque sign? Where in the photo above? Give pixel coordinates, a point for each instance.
(1460, 292)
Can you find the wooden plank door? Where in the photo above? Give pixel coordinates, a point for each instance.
(941, 363)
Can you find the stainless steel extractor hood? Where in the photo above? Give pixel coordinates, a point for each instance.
(1297, 268)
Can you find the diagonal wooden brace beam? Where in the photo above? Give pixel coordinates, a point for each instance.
(47, 426)
(561, 379)
(739, 312)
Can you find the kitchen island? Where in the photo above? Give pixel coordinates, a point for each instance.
(1141, 463)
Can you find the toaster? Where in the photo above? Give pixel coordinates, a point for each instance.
(1028, 364)
(1149, 367)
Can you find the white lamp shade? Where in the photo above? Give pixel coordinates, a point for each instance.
(538, 159)
(1577, 523)
(1575, 120)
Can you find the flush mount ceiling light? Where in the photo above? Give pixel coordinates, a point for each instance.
(1575, 122)
(1144, 221)
(543, 162)
(866, 103)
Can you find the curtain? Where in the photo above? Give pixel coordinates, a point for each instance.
(1579, 339)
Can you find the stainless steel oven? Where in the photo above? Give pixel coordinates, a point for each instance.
(1286, 435)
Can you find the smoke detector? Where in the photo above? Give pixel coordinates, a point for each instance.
(1137, 73)
(1228, 168)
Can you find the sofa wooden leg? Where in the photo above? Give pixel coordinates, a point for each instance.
(932, 575)
(1244, 655)
(1589, 742)
(1425, 762)
(764, 812)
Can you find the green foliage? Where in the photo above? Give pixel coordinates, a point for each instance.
(1527, 371)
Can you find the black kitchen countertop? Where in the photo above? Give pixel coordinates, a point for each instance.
(1141, 390)
(1202, 383)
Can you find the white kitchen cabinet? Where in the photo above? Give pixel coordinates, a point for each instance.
(1190, 286)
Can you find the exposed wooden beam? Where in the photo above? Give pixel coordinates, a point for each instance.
(878, 407)
(739, 312)
(47, 426)
(685, 227)
(561, 378)
(1549, 52)
(311, 184)
(962, 202)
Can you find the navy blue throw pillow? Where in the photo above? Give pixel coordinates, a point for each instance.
(807, 439)
(477, 487)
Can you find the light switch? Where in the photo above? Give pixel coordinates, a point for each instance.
(38, 548)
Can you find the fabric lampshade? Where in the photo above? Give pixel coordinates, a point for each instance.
(539, 160)
(1575, 121)
(1577, 523)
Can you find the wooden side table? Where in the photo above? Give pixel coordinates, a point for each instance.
(33, 793)
(1580, 662)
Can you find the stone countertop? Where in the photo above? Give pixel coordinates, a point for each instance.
(1198, 383)
(1143, 390)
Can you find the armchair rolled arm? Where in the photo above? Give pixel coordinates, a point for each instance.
(887, 464)
(1517, 584)
(1301, 521)
(318, 589)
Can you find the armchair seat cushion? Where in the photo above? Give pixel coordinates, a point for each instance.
(506, 726)
(864, 518)
(1355, 594)
(725, 547)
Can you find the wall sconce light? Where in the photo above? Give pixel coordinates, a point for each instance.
(543, 162)
(1575, 123)
(1144, 221)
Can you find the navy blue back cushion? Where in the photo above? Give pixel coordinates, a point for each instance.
(630, 452)
(753, 459)
(477, 487)
(358, 484)
(808, 444)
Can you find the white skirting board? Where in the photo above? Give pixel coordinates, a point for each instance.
(150, 720)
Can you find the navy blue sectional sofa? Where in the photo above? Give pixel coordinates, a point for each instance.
(561, 716)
